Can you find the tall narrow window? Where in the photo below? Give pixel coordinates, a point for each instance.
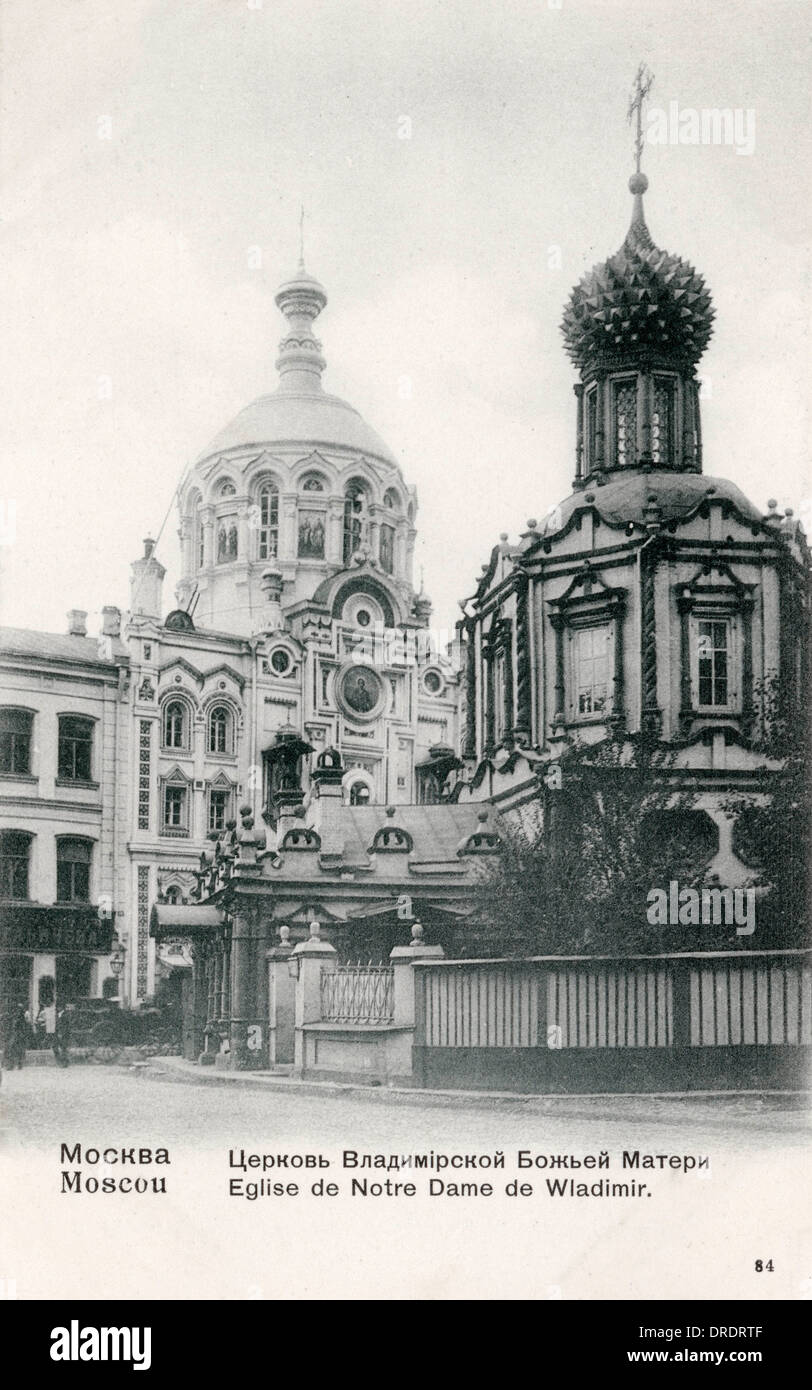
(268, 522)
(201, 541)
(626, 423)
(220, 737)
(176, 807)
(15, 741)
(15, 849)
(713, 662)
(387, 548)
(591, 670)
(662, 422)
(175, 725)
(75, 748)
(591, 430)
(355, 518)
(219, 807)
(73, 871)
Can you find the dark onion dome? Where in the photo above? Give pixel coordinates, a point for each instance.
(641, 298)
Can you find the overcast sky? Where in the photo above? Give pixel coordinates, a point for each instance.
(149, 147)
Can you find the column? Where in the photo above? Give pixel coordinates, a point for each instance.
(312, 956)
(402, 1065)
(281, 1002)
(579, 430)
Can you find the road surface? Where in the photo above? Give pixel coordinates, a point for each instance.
(695, 1234)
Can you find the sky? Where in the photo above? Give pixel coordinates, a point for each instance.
(461, 163)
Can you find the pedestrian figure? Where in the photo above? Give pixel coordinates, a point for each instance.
(17, 1039)
(62, 1035)
(40, 1029)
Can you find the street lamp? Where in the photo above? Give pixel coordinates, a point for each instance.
(117, 961)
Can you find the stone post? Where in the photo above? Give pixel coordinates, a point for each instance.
(313, 956)
(402, 958)
(281, 1001)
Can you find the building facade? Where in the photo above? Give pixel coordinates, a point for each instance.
(64, 813)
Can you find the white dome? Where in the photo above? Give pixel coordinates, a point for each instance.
(310, 418)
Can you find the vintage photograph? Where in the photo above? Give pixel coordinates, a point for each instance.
(404, 660)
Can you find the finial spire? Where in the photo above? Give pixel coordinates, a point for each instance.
(643, 82)
(638, 183)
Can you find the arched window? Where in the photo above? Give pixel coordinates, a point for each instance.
(359, 794)
(312, 482)
(75, 756)
(175, 724)
(15, 741)
(355, 517)
(73, 870)
(391, 500)
(15, 850)
(173, 895)
(268, 546)
(220, 738)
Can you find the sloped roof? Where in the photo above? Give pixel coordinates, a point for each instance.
(25, 641)
(435, 830)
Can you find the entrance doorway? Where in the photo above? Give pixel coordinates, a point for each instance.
(15, 987)
(73, 979)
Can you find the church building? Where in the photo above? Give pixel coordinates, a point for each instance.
(656, 601)
(297, 630)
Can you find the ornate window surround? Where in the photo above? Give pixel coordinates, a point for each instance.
(728, 598)
(176, 778)
(588, 602)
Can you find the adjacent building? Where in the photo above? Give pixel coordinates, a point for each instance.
(64, 813)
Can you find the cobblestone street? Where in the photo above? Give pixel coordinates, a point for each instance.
(198, 1240)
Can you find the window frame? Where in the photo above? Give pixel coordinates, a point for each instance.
(218, 790)
(181, 828)
(186, 721)
(625, 383)
(64, 738)
(355, 527)
(732, 675)
(26, 838)
(228, 748)
(667, 457)
(62, 862)
(577, 631)
(24, 716)
(267, 526)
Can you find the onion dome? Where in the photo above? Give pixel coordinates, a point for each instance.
(641, 302)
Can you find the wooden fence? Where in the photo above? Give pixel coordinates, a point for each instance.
(705, 1021)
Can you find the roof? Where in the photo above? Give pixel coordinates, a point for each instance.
(311, 418)
(625, 495)
(56, 646)
(435, 830)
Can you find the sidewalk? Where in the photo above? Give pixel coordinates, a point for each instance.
(721, 1107)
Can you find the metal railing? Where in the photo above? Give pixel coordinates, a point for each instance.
(358, 994)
